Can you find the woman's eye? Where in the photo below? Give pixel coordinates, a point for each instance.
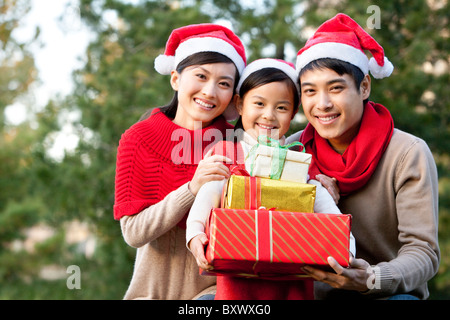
(225, 84)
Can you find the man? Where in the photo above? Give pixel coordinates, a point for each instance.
(387, 178)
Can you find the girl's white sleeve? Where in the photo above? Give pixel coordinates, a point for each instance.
(324, 203)
(208, 197)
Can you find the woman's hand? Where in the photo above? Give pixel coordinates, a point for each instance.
(331, 185)
(211, 168)
(197, 247)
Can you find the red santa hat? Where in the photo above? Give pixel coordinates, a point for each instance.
(343, 39)
(287, 67)
(205, 37)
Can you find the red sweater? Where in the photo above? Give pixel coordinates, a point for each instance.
(155, 157)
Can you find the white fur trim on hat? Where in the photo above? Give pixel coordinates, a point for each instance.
(333, 50)
(269, 63)
(380, 72)
(165, 64)
(208, 44)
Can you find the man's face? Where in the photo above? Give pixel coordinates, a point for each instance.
(333, 105)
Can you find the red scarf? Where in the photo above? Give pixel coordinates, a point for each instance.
(355, 167)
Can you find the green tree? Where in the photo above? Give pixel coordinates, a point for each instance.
(269, 28)
(18, 208)
(17, 69)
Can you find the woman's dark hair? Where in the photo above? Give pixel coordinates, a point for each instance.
(199, 58)
(338, 66)
(265, 76)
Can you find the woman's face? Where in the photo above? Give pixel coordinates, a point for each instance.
(204, 92)
(267, 110)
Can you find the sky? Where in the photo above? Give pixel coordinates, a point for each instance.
(60, 50)
(62, 44)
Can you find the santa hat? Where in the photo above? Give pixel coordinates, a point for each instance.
(343, 39)
(287, 67)
(205, 37)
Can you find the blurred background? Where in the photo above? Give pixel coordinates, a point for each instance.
(75, 74)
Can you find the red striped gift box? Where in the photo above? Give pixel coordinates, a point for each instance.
(275, 244)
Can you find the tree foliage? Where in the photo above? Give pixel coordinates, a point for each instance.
(118, 84)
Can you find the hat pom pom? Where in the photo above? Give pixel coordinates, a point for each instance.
(164, 64)
(380, 72)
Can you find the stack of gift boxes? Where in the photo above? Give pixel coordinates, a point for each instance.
(266, 226)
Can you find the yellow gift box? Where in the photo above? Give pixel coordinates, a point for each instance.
(247, 192)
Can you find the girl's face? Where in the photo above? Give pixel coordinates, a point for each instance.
(267, 110)
(204, 92)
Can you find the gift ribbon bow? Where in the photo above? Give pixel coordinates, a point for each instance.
(278, 155)
(239, 170)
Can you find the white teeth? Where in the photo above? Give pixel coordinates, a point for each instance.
(204, 104)
(327, 118)
(265, 127)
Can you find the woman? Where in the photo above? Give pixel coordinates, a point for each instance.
(158, 170)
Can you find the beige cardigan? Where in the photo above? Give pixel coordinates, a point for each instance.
(164, 269)
(395, 221)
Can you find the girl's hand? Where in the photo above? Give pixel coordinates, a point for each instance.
(331, 185)
(209, 169)
(197, 247)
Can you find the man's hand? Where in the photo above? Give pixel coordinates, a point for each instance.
(352, 278)
(331, 185)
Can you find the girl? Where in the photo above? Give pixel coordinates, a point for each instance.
(268, 100)
(156, 184)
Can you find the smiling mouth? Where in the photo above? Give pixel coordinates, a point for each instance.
(327, 118)
(204, 104)
(266, 127)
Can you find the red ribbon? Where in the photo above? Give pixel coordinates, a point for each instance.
(263, 220)
(252, 193)
(239, 170)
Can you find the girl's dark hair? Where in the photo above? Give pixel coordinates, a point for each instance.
(199, 58)
(338, 66)
(265, 76)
